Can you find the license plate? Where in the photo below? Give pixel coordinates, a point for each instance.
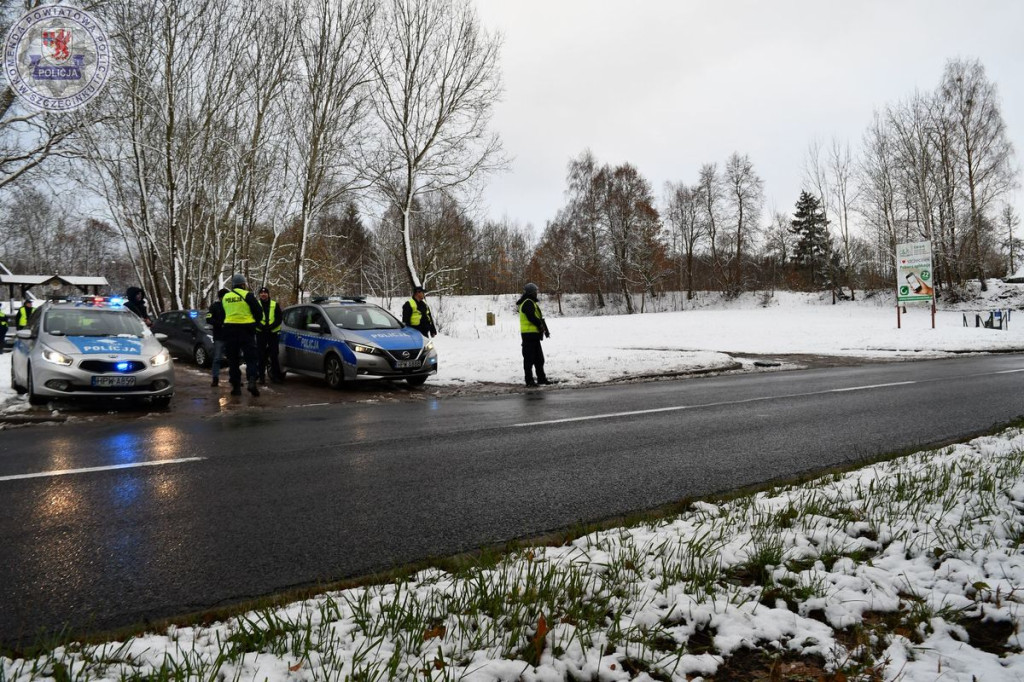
(113, 381)
(407, 364)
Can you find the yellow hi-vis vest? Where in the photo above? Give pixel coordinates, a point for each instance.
(414, 319)
(24, 312)
(268, 316)
(236, 309)
(525, 326)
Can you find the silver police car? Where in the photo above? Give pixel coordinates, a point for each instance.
(90, 348)
(344, 339)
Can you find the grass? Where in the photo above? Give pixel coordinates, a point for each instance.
(847, 576)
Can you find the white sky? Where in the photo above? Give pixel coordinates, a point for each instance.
(668, 85)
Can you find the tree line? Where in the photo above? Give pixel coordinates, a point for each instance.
(936, 167)
(335, 146)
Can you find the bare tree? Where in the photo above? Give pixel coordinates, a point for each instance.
(744, 194)
(330, 106)
(986, 151)
(1011, 245)
(711, 190)
(437, 82)
(832, 175)
(683, 216)
(583, 215)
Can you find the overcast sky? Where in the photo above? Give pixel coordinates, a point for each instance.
(668, 85)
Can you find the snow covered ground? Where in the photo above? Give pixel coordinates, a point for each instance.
(928, 545)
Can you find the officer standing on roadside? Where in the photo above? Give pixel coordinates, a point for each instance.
(416, 313)
(3, 330)
(215, 318)
(24, 314)
(532, 327)
(241, 310)
(268, 326)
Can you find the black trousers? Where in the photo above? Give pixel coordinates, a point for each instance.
(266, 342)
(240, 344)
(533, 356)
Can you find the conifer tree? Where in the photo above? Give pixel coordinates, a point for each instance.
(813, 247)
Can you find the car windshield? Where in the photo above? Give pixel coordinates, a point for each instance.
(92, 322)
(362, 317)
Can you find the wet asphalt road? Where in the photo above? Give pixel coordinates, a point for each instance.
(251, 502)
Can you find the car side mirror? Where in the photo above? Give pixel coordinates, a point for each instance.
(314, 327)
(160, 336)
(24, 334)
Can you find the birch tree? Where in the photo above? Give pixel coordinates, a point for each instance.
(744, 194)
(329, 109)
(437, 81)
(986, 153)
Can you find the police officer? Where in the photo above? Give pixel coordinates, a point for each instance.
(215, 318)
(416, 313)
(3, 331)
(532, 327)
(268, 326)
(241, 310)
(137, 304)
(24, 314)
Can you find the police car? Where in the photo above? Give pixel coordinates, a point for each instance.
(89, 348)
(344, 339)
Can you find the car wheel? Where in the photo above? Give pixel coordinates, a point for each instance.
(416, 381)
(201, 357)
(334, 372)
(33, 397)
(161, 402)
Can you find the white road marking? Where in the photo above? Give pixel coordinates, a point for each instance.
(677, 408)
(1009, 371)
(86, 470)
(864, 388)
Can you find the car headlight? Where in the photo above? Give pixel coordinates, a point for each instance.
(360, 348)
(56, 358)
(429, 346)
(161, 358)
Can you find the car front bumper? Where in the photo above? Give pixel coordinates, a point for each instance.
(380, 367)
(72, 382)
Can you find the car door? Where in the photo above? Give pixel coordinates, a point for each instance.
(188, 332)
(289, 339)
(169, 324)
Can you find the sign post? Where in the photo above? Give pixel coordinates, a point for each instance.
(914, 276)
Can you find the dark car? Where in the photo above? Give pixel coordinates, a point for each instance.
(188, 335)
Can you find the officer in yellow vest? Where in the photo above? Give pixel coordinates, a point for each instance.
(241, 310)
(3, 330)
(24, 314)
(416, 313)
(268, 326)
(532, 327)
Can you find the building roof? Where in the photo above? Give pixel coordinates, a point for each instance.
(70, 280)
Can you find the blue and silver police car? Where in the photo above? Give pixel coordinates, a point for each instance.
(90, 348)
(344, 339)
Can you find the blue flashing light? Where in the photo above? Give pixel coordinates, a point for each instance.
(116, 301)
(123, 366)
(193, 314)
